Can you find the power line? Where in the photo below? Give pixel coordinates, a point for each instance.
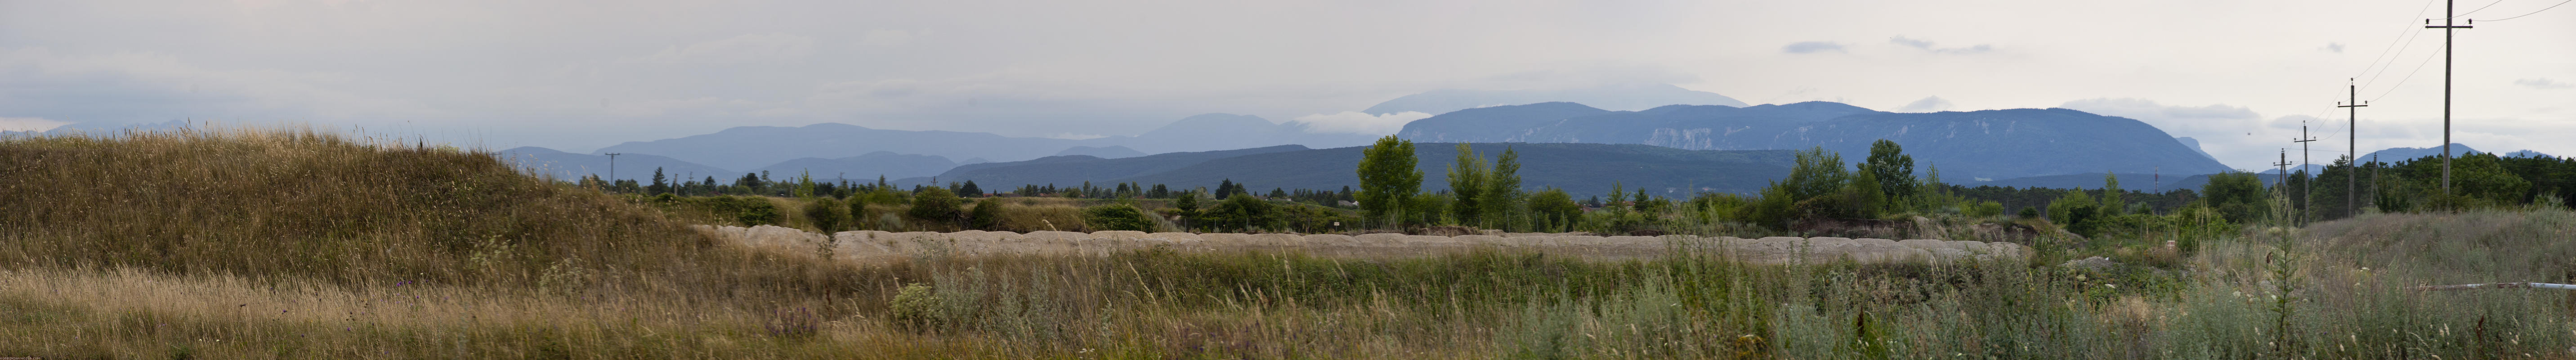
(2534, 12)
(2395, 51)
(2489, 5)
(2419, 67)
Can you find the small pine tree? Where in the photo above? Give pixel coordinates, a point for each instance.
(660, 185)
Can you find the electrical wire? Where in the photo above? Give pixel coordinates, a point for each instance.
(2394, 50)
(2489, 5)
(2534, 12)
(2419, 67)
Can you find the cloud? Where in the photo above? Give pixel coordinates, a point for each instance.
(745, 49)
(2333, 47)
(2543, 83)
(2236, 134)
(1926, 45)
(1359, 122)
(1928, 104)
(887, 37)
(29, 124)
(1811, 47)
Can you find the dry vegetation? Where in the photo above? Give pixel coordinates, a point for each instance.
(292, 244)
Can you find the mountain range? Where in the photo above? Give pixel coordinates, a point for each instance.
(1629, 96)
(1975, 145)
(754, 147)
(1577, 168)
(567, 166)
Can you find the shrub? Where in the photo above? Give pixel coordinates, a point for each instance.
(750, 211)
(935, 205)
(987, 215)
(826, 215)
(858, 211)
(1553, 209)
(1984, 209)
(1121, 217)
(917, 307)
(1239, 213)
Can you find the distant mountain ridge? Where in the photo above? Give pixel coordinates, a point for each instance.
(750, 147)
(1630, 96)
(867, 166)
(1584, 169)
(568, 166)
(1988, 144)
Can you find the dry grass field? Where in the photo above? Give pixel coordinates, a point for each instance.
(249, 244)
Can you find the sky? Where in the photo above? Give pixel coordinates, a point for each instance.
(2238, 75)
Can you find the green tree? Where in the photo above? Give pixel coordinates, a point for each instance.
(2112, 205)
(826, 215)
(660, 185)
(804, 184)
(934, 205)
(2238, 196)
(1388, 179)
(1503, 188)
(1240, 213)
(986, 216)
(1188, 203)
(1894, 169)
(1553, 209)
(1467, 184)
(2074, 210)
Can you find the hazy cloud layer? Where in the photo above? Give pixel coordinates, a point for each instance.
(1359, 122)
(28, 124)
(2543, 83)
(1811, 47)
(1928, 104)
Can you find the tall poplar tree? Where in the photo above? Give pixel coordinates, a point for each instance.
(1388, 179)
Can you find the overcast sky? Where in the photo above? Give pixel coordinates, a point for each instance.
(576, 76)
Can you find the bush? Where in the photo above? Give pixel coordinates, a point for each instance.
(935, 206)
(858, 211)
(917, 307)
(826, 215)
(1239, 213)
(1554, 210)
(1984, 209)
(750, 211)
(1120, 217)
(986, 216)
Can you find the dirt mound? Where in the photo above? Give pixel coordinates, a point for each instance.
(880, 246)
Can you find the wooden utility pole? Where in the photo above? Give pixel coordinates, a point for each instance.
(2282, 181)
(2306, 182)
(2449, 13)
(612, 170)
(2352, 148)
